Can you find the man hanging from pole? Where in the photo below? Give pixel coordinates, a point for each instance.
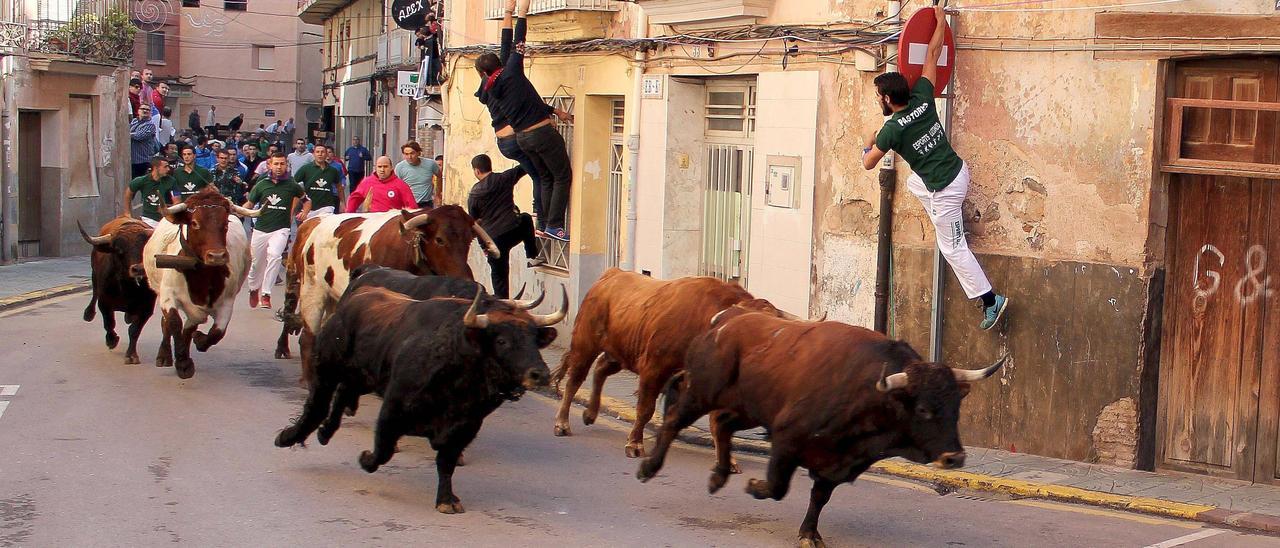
(939, 179)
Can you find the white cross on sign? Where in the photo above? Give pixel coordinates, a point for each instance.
(916, 53)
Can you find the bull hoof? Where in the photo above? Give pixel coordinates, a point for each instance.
(131, 359)
(164, 361)
(350, 411)
(716, 482)
(185, 368)
(733, 467)
(588, 417)
(647, 470)
(288, 437)
(562, 430)
(450, 508)
(367, 463)
(325, 433)
(758, 488)
(112, 340)
(634, 450)
(283, 354)
(811, 542)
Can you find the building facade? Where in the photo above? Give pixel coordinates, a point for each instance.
(1124, 165)
(64, 141)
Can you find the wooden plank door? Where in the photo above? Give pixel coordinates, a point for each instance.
(1220, 334)
(30, 197)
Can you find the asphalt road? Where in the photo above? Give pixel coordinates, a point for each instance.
(96, 453)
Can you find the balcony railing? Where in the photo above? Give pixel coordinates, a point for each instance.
(95, 31)
(493, 9)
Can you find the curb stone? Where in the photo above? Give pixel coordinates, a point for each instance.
(948, 480)
(43, 294)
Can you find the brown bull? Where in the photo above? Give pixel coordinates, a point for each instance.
(328, 249)
(634, 322)
(834, 397)
(120, 280)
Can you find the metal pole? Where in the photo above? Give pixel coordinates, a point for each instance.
(939, 264)
(8, 237)
(888, 178)
(628, 262)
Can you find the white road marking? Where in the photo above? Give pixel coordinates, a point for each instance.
(3, 405)
(9, 389)
(1187, 539)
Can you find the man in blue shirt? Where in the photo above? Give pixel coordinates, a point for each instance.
(355, 157)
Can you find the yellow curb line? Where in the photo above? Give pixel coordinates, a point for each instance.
(969, 480)
(32, 296)
(1040, 490)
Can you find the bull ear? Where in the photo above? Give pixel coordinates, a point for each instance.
(546, 336)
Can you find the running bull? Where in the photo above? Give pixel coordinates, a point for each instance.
(120, 281)
(441, 366)
(835, 399)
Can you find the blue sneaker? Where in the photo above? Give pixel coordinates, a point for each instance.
(992, 314)
(557, 234)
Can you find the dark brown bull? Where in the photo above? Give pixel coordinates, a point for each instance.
(834, 397)
(120, 280)
(328, 249)
(634, 322)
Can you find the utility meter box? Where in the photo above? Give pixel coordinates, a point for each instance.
(782, 181)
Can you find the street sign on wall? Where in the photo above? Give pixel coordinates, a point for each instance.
(914, 43)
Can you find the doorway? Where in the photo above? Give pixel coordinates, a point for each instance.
(1219, 404)
(30, 196)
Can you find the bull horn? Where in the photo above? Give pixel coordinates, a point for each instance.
(93, 240)
(823, 318)
(557, 316)
(472, 319)
(176, 208)
(527, 304)
(489, 247)
(245, 212)
(972, 375)
(417, 222)
(890, 382)
(788, 315)
(520, 293)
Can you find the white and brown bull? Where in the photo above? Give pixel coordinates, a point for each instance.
(328, 249)
(196, 262)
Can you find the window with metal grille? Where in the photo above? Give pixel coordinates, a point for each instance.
(155, 47)
(731, 110)
(618, 118)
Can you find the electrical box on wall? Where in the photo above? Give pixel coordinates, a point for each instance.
(782, 181)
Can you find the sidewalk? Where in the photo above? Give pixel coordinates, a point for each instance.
(1199, 498)
(26, 282)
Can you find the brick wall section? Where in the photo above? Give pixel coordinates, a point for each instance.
(1115, 437)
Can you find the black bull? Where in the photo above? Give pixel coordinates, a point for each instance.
(120, 281)
(835, 399)
(440, 365)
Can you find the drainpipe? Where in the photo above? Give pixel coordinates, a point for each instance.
(884, 233)
(939, 264)
(8, 237)
(628, 262)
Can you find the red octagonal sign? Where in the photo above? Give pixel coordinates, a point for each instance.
(913, 44)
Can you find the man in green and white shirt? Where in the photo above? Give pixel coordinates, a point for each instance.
(190, 178)
(940, 179)
(279, 196)
(323, 184)
(156, 189)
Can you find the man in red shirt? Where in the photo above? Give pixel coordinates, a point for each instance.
(381, 191)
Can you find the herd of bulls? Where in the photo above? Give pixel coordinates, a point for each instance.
(385, 303)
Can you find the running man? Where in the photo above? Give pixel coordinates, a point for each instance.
(279, 196)
(323, 184)
(156, 189)
(939, 178)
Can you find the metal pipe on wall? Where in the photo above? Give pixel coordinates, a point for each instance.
(628, 262)
(884, 232)
(939, 264)
(8, 228)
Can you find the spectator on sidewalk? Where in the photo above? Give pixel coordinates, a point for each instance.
(160, 95)
(440, 177)
(193, 123)
(135, 99)
(148, 91)
(286, 132)
(299, 157)
(418, 173)
(323, 185)
(356, 156)
(279, 196)
(166, 130)
(142, 140)
(249, 165)
(264, 167)
(156, 189)
(493, 206)
(234, 126)
(190, 178)
(381, 191)
(206, 154)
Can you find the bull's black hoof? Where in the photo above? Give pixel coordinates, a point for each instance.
(350, 411)
(450, 508)
(185, 368)
(811, 542)
(716, 482)
(112, 340)
(283, 354)
(462, 460)
(164, 361)
(647, 470)
(131, 359)
(288, 437)
(588, 417)
(201, 341)
(367, 463)
(325, 433)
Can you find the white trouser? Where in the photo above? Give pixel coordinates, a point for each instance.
(326, 210)
(150, 222)
(268, 257)
(944, 208)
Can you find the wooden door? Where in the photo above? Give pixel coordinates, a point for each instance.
(1220, 356)
(29, 194)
